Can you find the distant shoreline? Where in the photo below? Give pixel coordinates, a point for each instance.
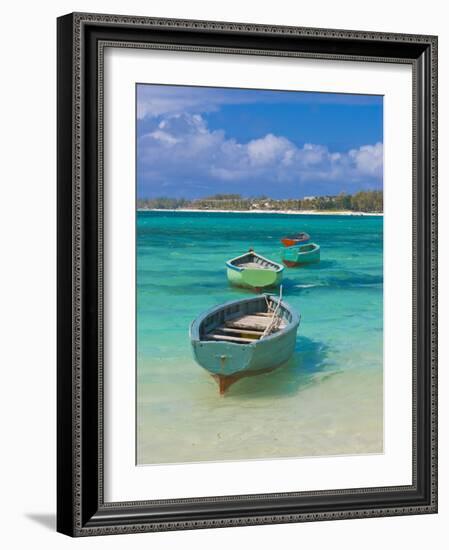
(296, 212)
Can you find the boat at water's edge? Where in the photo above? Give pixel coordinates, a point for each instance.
(244, 338)
(294, 256)
(251, 270)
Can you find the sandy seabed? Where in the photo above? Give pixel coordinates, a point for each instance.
(268, 416)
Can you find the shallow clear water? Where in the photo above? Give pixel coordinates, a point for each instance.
(327, 400)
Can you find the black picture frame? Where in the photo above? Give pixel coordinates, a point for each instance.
(81, 509)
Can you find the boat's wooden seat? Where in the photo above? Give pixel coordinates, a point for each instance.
(244, 329)
(240, 331)
(253, 265)
(238, 339)
(251, 322)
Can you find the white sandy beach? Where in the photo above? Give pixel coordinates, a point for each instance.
(296, 212)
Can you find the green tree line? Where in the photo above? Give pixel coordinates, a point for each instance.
(363, 201)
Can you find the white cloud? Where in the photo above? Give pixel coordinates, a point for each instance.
(182, 147)
(154, 101)
(268, 150)
(163, 137)
(368, 159)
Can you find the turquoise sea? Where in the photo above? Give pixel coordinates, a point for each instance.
(326, 401)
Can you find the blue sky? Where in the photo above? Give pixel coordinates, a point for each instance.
(197, 141)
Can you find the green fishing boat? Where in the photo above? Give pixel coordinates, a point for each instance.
(254, 271)
(244, 338)
(294, 256)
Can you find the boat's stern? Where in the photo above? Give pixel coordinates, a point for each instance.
(261, 278)
(303, 254)
(254, 278)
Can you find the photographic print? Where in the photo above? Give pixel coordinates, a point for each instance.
(259, 274)
(247, 274)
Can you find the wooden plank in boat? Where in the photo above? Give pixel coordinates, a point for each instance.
(249, 322)
(246, 326)
(253, 323)
(240, 330)
(229, 338)
(252, 265)
(265, 320)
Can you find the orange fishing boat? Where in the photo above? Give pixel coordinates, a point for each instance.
(296, 239)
